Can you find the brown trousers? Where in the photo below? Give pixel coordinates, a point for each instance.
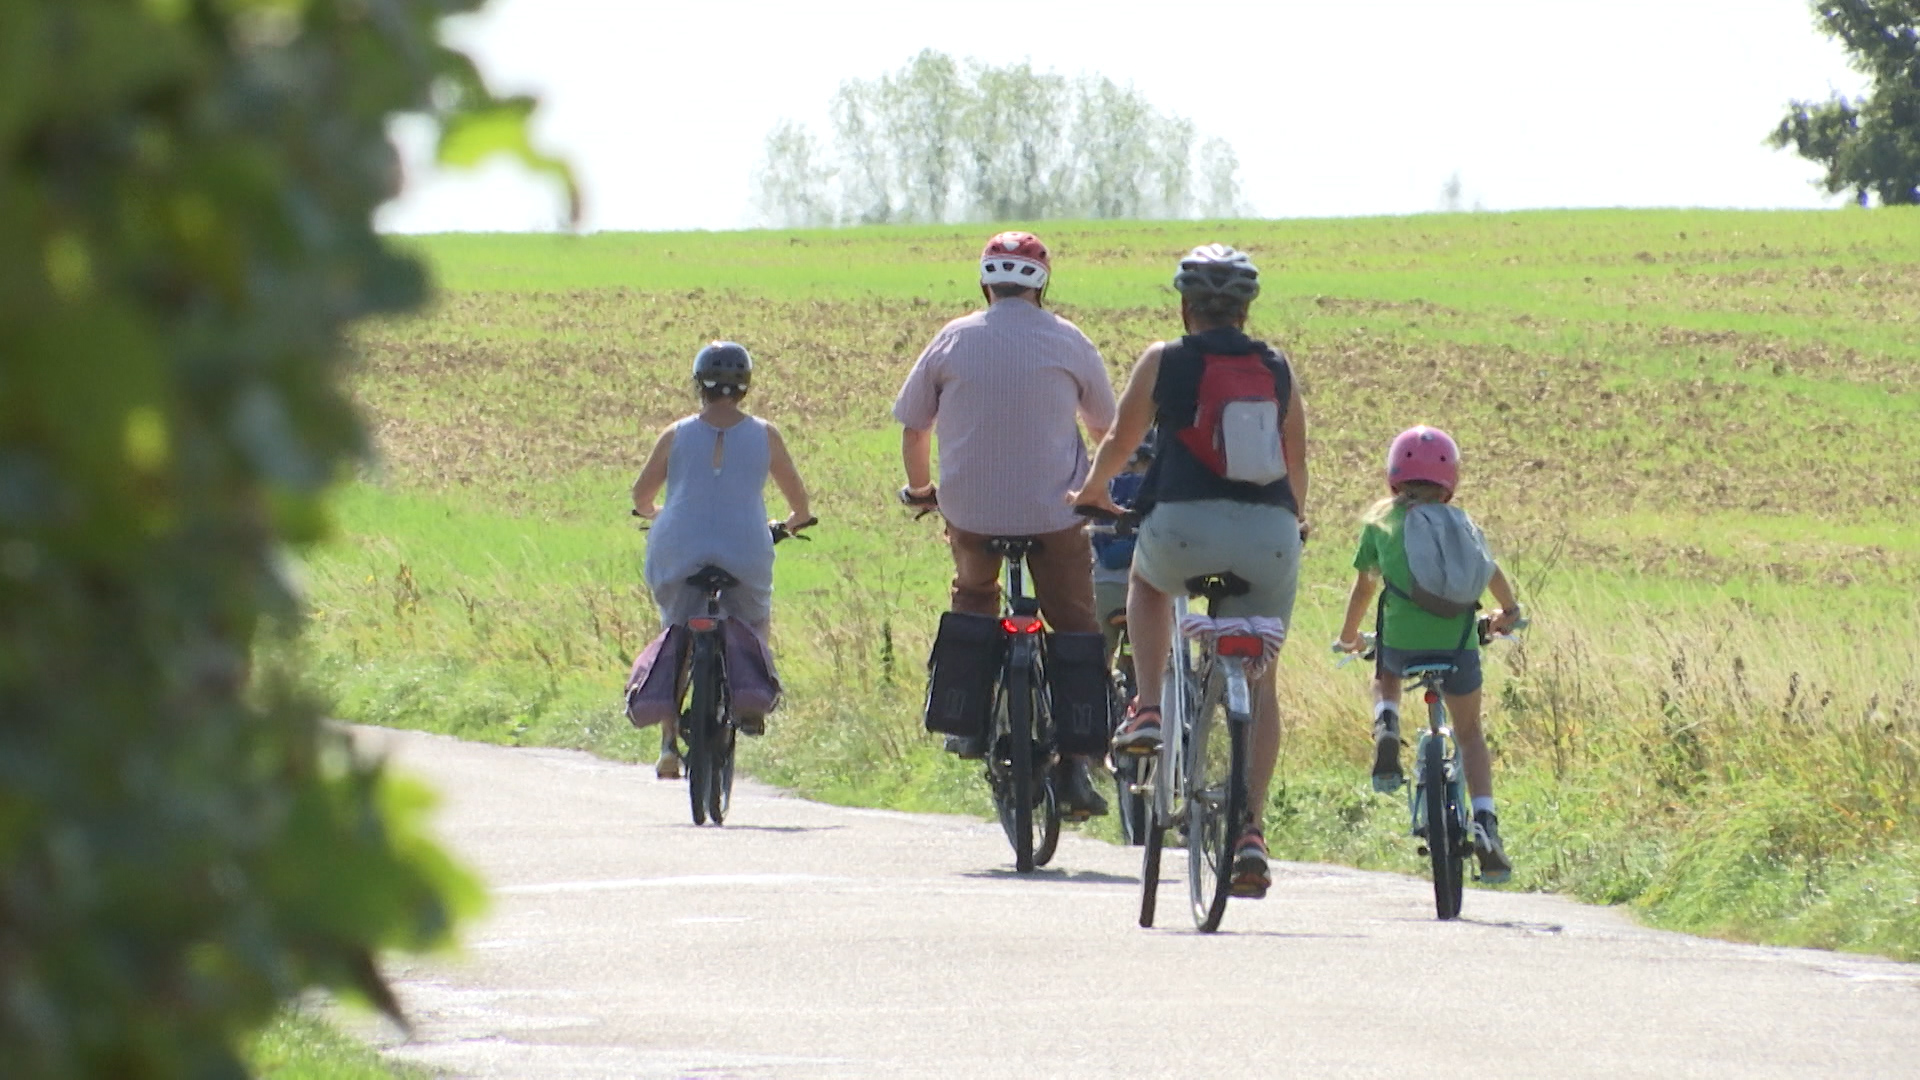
(1060, 574)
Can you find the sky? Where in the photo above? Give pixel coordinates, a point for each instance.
(1335, 109)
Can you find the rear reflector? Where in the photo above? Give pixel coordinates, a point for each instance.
(1244, 645)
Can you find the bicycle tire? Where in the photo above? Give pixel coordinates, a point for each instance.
(1150, 870)
(720, 788)
(1132, 807)
(696, 726)
(1216, 805)
(1047, 840)
(1441, 829)
(1018, 817)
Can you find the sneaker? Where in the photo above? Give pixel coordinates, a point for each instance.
(1251, 876)
(1079, 798)
(1494, 867)
(668, 767)
(1387, 776)
(966, 747)
(1141, 733)
(755, 725)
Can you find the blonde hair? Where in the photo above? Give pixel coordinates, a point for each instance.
(1411, 493)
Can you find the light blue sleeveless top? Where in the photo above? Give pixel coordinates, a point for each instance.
(712, 515)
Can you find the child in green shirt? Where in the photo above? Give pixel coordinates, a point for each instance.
(1423, 466)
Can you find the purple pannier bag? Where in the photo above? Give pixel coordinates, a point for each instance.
(659, 679)
(752, 687)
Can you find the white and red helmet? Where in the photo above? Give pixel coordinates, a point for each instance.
(1015, 258)
(1424, 453)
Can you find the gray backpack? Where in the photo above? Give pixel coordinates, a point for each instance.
(1449, 559)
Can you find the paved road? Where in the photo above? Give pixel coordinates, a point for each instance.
(812, 941)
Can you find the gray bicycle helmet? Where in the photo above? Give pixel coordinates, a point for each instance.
(723, 363)
(1217, 270)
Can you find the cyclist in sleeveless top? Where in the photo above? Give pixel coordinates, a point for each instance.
(1006, 390)
(1198, 522)
(715, 465)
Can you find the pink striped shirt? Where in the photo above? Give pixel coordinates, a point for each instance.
(1002, 389)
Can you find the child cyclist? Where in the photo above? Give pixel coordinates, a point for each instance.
(1423, 466)
(714, 465)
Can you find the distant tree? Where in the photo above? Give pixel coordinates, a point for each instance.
(1870, 145)
(792, 185)
(936, 141)
(1220, 180)
(1452, 194)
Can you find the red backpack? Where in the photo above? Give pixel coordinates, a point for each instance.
(1236, 426)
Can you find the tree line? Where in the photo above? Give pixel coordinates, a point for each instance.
(1870, 145)
(943, 140)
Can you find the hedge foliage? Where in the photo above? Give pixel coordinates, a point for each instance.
(186, 191)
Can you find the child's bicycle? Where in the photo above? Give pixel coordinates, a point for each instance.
(1198, 781)
(708, 725)
(1437, 803)
(1020, 752)
(1131, 801)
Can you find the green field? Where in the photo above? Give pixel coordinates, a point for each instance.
(1694, 437)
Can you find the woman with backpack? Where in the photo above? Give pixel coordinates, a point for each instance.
(715, 465)
(1224, 495)
(1413, 624)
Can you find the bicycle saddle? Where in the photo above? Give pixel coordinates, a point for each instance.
(1010, 546)
(713, 579)
(1217, 586)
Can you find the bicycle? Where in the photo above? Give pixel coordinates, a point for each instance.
(1131, 800)
(1437, 755)
(1020, 753)
(1198, 781)
(708, 725)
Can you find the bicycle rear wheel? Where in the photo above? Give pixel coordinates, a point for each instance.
(1216, 806)
(1155, 838)
(1017, 796)
(1444, 850)
(697, 726)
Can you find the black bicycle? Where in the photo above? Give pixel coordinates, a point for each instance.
(708, 725)
(1020, 749)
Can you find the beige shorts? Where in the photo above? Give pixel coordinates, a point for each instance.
(1260, 544)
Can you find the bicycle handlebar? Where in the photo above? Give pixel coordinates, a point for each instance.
(1125, 523)
(1370, 642)
(781, 532)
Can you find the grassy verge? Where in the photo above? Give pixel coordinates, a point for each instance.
(1691, 434)
(300, 1047)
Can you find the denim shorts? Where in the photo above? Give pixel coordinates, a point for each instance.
(1465, 678)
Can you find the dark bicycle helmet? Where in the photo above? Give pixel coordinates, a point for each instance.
(723, 364)
(1217, 270)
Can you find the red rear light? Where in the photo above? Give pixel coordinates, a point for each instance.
(1021, 624)
(1432, 696)
(702, 624)
(1244, 645)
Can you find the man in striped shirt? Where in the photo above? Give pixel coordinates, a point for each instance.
(1005, 390)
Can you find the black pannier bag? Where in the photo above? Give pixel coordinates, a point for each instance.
(1081, 692)
(960, 674)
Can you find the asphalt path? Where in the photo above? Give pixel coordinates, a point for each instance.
(804, 940)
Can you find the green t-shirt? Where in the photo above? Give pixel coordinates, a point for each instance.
(1408, 625)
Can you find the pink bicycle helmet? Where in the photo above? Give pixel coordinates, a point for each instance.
(1423, 453)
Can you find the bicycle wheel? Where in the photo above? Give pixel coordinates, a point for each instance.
(721, 742)
(1131, 806)
(1016, 809)
(696, 725)
(1216, 806)
(1442, 828)
(1150, 869)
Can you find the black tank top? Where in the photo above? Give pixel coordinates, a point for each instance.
(1176, 475)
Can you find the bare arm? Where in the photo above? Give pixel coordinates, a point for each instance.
(1502, 590)
(787, 478)
(1359, 601)
(1129, 427)
(653, 476)
(1293, 445)
(916, 453)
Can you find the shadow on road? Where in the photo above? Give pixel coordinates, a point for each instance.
(1054, 874)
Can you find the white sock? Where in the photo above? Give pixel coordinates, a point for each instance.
(1483, 802)
(1382, 707)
